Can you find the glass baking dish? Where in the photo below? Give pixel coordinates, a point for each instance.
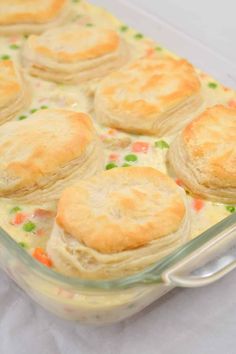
(199, 262)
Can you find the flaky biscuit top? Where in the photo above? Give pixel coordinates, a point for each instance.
(33, 149)
(149, 86)
(74, 43)
(121, 209)
(29, 11)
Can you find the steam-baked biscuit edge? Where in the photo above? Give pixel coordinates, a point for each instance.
(162, 114)
(182, 164)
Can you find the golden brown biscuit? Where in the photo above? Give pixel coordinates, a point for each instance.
(74, 53)
(203, 156)
(41, 155)
(32, 16)
(14, 92)
(117, 222)
(149, 96)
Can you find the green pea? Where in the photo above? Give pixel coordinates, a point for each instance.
(14, 46)
(161, 144)
(22, 117)
(159, 49)
(44, 107)
(124, 28)
(75, 1)
(126, 165)
(15, 210)
(89, 25)
(212, 85)
(131, 158)
(23, 244)
(29, 226)
(26, 36)
(111, 165)
(138, 36)
(230, 208)
(5, 57)
(33, 110)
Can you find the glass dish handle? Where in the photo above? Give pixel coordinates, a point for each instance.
(206, 264)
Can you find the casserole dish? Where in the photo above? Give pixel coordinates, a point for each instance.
(201, 261)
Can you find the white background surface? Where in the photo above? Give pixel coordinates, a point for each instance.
(185, 321)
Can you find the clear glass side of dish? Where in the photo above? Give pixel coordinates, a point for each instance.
(199, 262)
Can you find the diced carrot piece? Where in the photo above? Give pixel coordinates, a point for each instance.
(42, 257)
(140, 146)
(14, 38)
(198, 204)
(40, 232)
(232, 103)
(19, 218)
(150, 52)
(226, 89)
(179, 182)
(43, 213)
(113, 157)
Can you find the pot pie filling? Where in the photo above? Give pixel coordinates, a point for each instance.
(31, 225)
